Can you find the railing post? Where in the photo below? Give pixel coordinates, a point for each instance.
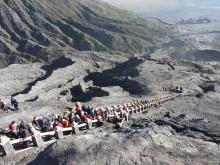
(137, 109)
(89, 125)
(59, 133)
(127, 114)
(37, 140)
(121, 123)
(133, 110)
(8, 149)
(76, 128)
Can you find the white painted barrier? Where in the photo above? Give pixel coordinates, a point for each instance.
(8, 148)
(37, 138)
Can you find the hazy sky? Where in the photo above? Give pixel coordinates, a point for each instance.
(157, 5)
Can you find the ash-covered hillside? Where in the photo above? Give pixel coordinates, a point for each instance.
(42, 30)
(54, 53)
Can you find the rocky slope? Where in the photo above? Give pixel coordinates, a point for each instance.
(96, 79)
(200, 43)
(151, 145)
(42, 30)
(185, 131)
(184, 137)
(46, 89)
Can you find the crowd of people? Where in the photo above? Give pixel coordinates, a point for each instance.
(20, 131)
(81, 114)
(172, 88)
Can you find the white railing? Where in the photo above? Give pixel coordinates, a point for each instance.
(8, 149)
(37, 139)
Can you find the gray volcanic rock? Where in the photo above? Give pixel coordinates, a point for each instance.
(53, 87)
(39, 30)
(183, 131)
(98, 80)
(15, 77)
(148, 138)
(152, 145)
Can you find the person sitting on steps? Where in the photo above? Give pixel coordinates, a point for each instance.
(23, 133)
(13, 130)
(77, 109)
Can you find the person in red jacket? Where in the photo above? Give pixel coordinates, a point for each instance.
(57, 124)
(65, 123)
(78, 109)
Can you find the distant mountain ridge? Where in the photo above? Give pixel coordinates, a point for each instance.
(42, 30)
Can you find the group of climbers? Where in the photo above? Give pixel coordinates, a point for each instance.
(78, 115)
(81, 114)
(14, 103)
(20, 131)
(172, 88)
